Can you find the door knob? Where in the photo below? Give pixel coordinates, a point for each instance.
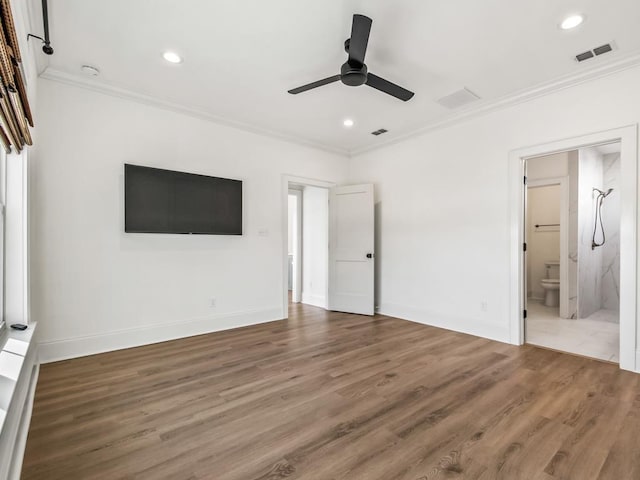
(369, 255)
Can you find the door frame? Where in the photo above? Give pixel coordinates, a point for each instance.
(628, 137)
(288, 181)
(563, 183)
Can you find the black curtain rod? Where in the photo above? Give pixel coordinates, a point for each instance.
(46, 47)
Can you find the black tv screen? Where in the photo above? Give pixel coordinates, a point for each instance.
(164, 201)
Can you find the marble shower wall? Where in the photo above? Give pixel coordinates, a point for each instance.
(590, 166)
(610, 276)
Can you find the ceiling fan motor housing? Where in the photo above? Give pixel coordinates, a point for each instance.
(353, 75)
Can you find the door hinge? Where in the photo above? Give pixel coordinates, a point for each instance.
(524, 247)
(525, 179)
(524, 314)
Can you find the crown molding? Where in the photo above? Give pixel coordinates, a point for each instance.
(100, 87)
(479, 109)
(476, 110)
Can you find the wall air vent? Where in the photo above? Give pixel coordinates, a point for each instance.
(379, 132)
(458, 99)
(601, 50)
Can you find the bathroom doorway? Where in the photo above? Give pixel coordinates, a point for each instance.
(572, 259)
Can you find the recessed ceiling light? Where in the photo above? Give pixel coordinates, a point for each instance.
(348, 122)
(172, 57)
(89, 70)
(571, 22)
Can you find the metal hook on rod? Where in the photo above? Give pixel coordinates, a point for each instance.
(46, 47)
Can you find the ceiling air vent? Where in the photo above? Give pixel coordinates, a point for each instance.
(458, 99)
(602, 49)
(379, 132)
(581, 57)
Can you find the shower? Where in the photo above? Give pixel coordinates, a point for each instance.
(598, 219)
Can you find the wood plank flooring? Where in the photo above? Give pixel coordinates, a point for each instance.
(328, 396)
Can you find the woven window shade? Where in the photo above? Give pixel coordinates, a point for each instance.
(15, 113)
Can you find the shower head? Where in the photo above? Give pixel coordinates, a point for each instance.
(600, 192)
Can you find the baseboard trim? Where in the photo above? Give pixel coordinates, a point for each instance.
(315, 300)
(636, 367)
(53, 351)
(448, 322)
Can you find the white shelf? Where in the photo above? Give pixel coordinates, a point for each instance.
(10, 365)
(19, 347)
(12, 358)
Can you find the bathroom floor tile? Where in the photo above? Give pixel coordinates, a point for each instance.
(597, 336)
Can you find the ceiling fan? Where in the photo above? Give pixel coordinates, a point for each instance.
(354, 71)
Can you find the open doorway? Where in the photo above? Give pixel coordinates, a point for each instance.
(294, 244)
(307, 242)
(572, 261)
(627, 136)
(337, 245)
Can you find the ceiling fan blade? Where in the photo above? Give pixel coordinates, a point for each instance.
(387, 87)
(360, 30)
(319, 83)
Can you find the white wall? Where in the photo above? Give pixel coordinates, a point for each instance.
(291, 229)
(291, 221)
(548, 166)
(96, 288)
(444, 202)
(315, 248)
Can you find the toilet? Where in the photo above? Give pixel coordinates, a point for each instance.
(551, 283)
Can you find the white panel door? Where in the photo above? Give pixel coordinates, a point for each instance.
(351, 255)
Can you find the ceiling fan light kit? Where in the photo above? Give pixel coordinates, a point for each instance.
(354, 71)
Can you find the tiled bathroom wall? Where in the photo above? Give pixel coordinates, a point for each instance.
(610, 277)
(589, 261)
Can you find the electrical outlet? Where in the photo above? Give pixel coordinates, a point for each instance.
(484, 306)
(212, 302)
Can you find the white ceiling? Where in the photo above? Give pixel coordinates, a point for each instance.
(241, 56)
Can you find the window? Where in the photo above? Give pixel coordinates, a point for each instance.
(3, 189)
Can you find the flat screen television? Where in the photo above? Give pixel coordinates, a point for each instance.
(164, 201)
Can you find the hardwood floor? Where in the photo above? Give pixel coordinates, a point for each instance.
(328, 396)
